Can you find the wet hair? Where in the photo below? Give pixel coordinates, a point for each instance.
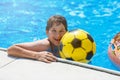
(58, 19)
(117, 37)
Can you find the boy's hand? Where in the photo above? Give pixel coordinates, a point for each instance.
(45, 57)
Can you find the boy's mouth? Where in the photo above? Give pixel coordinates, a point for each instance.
(57, 39)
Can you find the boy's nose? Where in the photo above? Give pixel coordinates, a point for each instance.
(58, 35)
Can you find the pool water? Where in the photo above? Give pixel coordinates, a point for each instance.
(25, 21)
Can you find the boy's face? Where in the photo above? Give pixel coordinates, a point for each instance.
(55, 33)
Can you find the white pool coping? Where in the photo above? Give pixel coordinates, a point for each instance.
(12, 68)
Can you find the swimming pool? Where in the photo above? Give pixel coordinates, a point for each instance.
(25, 21)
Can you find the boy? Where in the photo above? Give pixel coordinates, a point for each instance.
(45, 50)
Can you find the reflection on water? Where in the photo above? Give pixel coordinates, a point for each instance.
(25, 20)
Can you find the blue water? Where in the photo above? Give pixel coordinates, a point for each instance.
(25, 21)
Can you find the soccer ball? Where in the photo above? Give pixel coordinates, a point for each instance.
(77, 45)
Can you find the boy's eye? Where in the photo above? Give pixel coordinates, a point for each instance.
(53, 30)
(61, 31)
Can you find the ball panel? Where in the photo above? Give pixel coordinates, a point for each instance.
(94, 47)
(78, 54)
(83, 61)
(90, 38)
(67, 50)
(80, 35)
(87, 45)
(76, 43)
(61, 46)
(67, 38)
(89, 55)
(62, 55)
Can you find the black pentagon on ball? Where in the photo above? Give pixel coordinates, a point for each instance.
(89, 55)
(76, 43)
(61, 46)
(90, 38)
(69, 59)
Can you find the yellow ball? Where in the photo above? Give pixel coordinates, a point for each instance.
(77, 45)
